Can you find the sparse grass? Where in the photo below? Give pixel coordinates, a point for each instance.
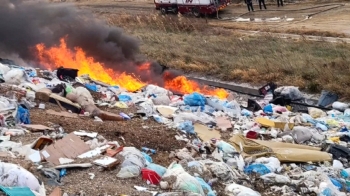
(192, 45)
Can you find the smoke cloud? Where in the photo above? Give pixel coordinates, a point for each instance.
(25, 24)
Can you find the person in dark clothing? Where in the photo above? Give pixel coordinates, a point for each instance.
(249, 5)
(280, 2)
(262, 2)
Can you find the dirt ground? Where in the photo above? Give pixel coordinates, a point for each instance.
(332, 21)
(154, 136)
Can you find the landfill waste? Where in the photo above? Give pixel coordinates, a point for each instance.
(198, 144)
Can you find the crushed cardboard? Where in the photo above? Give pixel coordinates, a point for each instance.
(69, 147)
(223, 123)
(205, 133)
(56, 192)
(269, 123)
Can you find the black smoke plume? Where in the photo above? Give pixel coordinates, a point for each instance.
(25, 24)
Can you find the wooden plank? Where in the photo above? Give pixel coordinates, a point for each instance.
(63, 114)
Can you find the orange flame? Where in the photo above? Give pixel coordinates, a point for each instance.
(57, 56)
(182, 84)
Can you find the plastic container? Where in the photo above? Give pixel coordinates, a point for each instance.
(151, 176)
(252, 135)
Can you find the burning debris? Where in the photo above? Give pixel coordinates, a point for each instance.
(54, 57)
(52, 36)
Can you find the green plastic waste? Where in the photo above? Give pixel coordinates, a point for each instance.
(69, 89)
(17, 191)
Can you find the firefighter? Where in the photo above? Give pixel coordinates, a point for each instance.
(249, 5)
(262, 2)
(279, 2)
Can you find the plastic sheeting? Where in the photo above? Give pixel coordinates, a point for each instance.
(23, 115)
(133, 163)
(12, 175)
(289, 92)
(183, 180)
(195, 99)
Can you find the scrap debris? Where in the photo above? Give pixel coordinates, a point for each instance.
(236, 146)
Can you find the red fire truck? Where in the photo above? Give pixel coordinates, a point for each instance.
(197, 7)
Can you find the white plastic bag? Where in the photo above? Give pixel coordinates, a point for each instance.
(272, 163)
(301, 134)
(340, 106)
(233, 109)
(239, 190)
(178, 179)
(161, 100)
(275, 178)
(15, 76)
(347, 112)
(226, 148)
(291, 92)
(133, 163)
(153, 89)
(4, 69)
(148, 107)
(12, 175)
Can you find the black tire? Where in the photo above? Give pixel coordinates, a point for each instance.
(163, 10)
(175, 10)
(195, 12)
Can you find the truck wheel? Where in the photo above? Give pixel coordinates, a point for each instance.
(175, 10)
(163, 10)
(195, 12)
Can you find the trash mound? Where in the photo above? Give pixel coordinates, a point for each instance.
(66, 134)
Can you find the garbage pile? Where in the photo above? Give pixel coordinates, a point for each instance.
(277, 144)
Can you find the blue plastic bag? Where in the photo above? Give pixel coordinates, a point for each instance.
(124, 98)
(160, 170)
(147, 157)
(92, 87)
(336, 183)
(125, 116)
(246, 112)
(344, 173)
(344, 129)
(257, 168)
(195, 99)
(268, 109)
(187, 126)
(321, 126)
(205, 186)
(326, 192)
(23, 115)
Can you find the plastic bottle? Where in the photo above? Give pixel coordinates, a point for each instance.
(149, 149)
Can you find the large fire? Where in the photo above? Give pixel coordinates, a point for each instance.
(60, 55)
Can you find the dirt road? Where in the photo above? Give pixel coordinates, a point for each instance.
(329, 18)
